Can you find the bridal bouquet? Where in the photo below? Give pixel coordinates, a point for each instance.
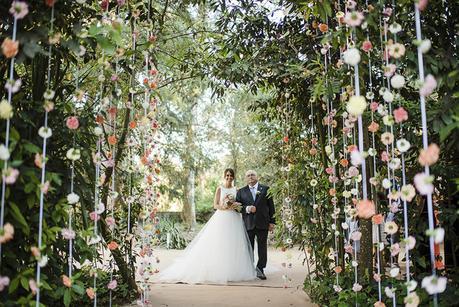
(230, 204)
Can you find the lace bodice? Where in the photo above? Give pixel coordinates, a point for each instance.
(225, 191)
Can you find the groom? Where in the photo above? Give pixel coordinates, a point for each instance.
(258, 215)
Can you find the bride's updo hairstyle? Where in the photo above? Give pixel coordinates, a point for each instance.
(229, 170)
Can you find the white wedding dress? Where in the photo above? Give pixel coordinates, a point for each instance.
(220, 252)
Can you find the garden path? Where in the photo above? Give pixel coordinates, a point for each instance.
(273, 292)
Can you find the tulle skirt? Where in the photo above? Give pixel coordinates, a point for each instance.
(220, 253)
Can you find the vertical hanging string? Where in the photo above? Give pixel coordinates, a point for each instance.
(425, 144)
(7, 133)
(43, 186)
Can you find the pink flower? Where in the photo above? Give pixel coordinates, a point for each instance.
(72, 123)
(329, 170)
(367, 46)
(428, 87)
(68, 234)
(354, 18)
(395, 249)
(45, 187)
(112, 284)
(353, 171)
(389, 70)
(400, 115)
(348, 248)
(423, 183)
(11, 175)
(374, 106)
(422, 4)
(365, 209)
(387, 11)
(33, 286)
(377, 277)
(94, 216)
(121, 2)
(110, 221)
(4, 282)
(430, 155)
(384, 156)
(19, 9)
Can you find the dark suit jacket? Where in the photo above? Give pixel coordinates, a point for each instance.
(264, 204)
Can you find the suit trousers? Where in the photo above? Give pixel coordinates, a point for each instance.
(262, 243)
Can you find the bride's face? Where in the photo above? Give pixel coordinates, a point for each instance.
(229, 177)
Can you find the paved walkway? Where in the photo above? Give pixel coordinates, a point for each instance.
(276, 291)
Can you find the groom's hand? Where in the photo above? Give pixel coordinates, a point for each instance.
(271, 227)
(253, 209)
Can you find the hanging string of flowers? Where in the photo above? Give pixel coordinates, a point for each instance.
(45, 132)
(10, 48)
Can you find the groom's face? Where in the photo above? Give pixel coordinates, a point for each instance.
(251, 178)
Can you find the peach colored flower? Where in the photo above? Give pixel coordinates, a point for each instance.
(373, 127)
(10, 48)
(422, 4)
(400, 115)
(66, 281)
(332, 192)
(112, 140)
(90, 293)
(112, 245)
(35, 251)
(430, 155)
(351, 148)
(377, 219)
(133, 124)
(365, 209)
(313, 151)
(72, 122)
(33, 286)
(344, 162)
(7, 233)
(379, 304)
(338, 269)
(323, 27)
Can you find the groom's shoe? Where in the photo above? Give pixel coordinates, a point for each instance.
(260, 274)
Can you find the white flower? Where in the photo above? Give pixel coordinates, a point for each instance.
(344, 226)
(425, 45)
(94, 240)
(356, 158)
(388, 120)
(411, 285)
(100, 208)
(49, 94)
(407, 192)
(45, 132)
(397, 81)
(370, 95)
(389, 292)
(403, 145)
(439, 235)
(386, 183)
(434, 284)
(4, 152)
(346, 194)
(388, 96)
(354, 191)
(394, 163)
(423, 183)
(43, 261)
(394, 272)
(73, 154)
(73, 198)
(411, 300)
(337, 288)
(354, 263)
(372, 152)
(6, 110)
(81, 49)
(98, 131)
(313, 182)
(351, 56)
(356, 287)
(356, 105)
(395, 28)
(390, 227)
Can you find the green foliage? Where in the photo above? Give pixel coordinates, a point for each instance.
(175, 231)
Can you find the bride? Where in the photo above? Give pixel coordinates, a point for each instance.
(221, 252)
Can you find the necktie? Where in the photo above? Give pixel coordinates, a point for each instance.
(252, 190)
